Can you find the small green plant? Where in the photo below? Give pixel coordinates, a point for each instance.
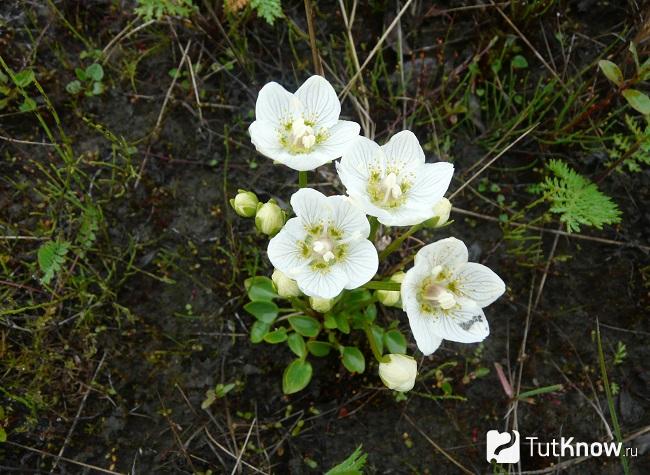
(156, 9)
(636, 99)
(9, 91)
(576, 199)
(353, 465)
(270, 10)
(89, 81)
(621, 353)
(51, 257)
(632, 150)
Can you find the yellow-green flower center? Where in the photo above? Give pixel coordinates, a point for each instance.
(324, 246)
(387, 190)
(437, 292)
(300, 135)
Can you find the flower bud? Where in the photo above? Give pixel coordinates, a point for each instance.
(398, 372)
(285, 286)
(269, 218)
(441, 211)
(391, 298)
(245, 203)
(321, 305)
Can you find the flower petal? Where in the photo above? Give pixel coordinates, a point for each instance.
(354, 166)
(360, 263)
(431, 183)
(324, 284)
(276, 105)
(403, 151)
(265, 137)
(341, 136)
(283, 250)
(464, 324)
(423, 325)
(310, 206)
(303, 161)
(479, 283)
(347, 218)
(319, 100)
(449, 252)
(403, 216)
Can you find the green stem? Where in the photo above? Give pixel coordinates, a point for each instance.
(398, 242)
(379, 285)
(302, 179)
(374, 225)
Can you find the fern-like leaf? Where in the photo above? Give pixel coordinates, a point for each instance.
(89, 226)
(150, 9)
(51, 257)
(353, 465)
(270, 10)
(576, 199)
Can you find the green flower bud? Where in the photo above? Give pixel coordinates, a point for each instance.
(321, 305)
(391, 298)
(245, 203)
(441, 210)
(285, 286)
(269, 218)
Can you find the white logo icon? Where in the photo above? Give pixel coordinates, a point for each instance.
(502, 447)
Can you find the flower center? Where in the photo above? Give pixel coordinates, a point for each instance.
(301, 136)
(436, 292)
(390, 187)
(323, 247)
(387, 191)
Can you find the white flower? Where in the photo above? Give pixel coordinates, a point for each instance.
(393, 182)
(324, 248)
(442, 210)
(398, 372)
(301, 130)
(443, 295)
(286, 287)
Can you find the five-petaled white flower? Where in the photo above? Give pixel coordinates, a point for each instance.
(324, 248)
(393, 182)
(301, 130)
(443, 295)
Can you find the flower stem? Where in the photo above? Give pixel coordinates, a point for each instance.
(398, 242)
(374, 225)
(379, 285)
(302, 179)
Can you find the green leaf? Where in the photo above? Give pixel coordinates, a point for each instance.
(353, 465)
(28, 105)
(266, 312)
(259, 331)
(342, 323)
(81, 74)
(296, 376)
(306, 326)
(73, 87)
(329, 321)
(319, 348)
(97, 89)
(353, 359)
(270, 10)
(378, 335)
(297, 345)
(611, 71)
(638, 100)
(519, 62)
(395, 342)
(370, 312)
(276, 336)
(95, 72)
(51, 257)
(260, 288)
(24, 78)
(3, 435)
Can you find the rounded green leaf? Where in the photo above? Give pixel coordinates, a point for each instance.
(24, 78)
(297, 345)
(319, 348)
(519, 62)
(395, 342)
(342, 323)
(73, 87)
(377, 333)
(95, 72)
(611, 71)
(266, 312)
(259, 331)
(330, 321)
(306, 326)
(260, 288)
(353, 359)
(296, 376)
(637, 100)
(276, 336)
